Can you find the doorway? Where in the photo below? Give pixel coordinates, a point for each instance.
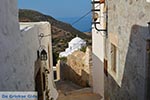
(38, 85)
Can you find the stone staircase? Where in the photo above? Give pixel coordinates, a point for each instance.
(81, 94)
(69, 91)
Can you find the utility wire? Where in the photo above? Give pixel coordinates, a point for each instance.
(82, 17)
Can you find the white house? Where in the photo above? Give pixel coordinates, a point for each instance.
(19, 54)
(120, 49)
(75, 44)
(35, 45)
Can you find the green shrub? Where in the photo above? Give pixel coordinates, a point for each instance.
(63, 59)
(83, 49)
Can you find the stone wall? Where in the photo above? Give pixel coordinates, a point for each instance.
(128, 31)
(78, 68)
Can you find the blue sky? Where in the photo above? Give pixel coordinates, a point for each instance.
(58, 8)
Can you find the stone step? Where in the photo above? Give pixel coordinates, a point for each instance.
(79, 91)
(82, 96)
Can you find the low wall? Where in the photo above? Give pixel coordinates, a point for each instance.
(77, 68)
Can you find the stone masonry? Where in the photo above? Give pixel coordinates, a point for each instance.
(78, 68)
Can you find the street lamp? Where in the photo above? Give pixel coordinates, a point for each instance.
(96, 15)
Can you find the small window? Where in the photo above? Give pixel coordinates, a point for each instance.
(55, 75)
(113, 58)
(105, 67)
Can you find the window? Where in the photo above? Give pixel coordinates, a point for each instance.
(105, 67)
(55, 75)
(113, 58)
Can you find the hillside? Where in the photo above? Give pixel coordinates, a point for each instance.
(62, 32)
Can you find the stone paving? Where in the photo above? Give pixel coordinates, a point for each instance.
(83, 96)
(70, 91)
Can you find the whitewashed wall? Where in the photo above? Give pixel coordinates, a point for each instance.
(98, 51)
(10, 42)
(18, 50)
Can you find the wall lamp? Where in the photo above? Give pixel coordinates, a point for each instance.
(43, 55)
(96, 15)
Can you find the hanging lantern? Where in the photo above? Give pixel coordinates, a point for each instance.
(43, 56)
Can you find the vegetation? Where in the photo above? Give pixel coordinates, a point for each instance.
(63, 59)
(55, 58)
(83, 49)
(62, 32)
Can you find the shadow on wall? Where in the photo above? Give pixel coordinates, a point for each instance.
(97, 75)
(67, 73)
(38, 79)
(133, 81)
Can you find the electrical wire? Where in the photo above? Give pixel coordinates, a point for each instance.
(42, 35)
(81, 18)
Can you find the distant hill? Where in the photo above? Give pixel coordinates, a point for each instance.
(62, 32)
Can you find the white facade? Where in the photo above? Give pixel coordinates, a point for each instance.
(31, 32)
(122, 55)
(18, 50)
(75, 44)
(98, 50)
(12, 70)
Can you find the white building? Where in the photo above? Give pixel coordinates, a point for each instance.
(98, 46)
(120, 49)
(75, 44)
(43, 74)
(18, 51)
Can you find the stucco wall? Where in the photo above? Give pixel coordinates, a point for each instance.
(18, 50)
(9, 44)
(128, 31)
(31, 43)
(98, 51)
